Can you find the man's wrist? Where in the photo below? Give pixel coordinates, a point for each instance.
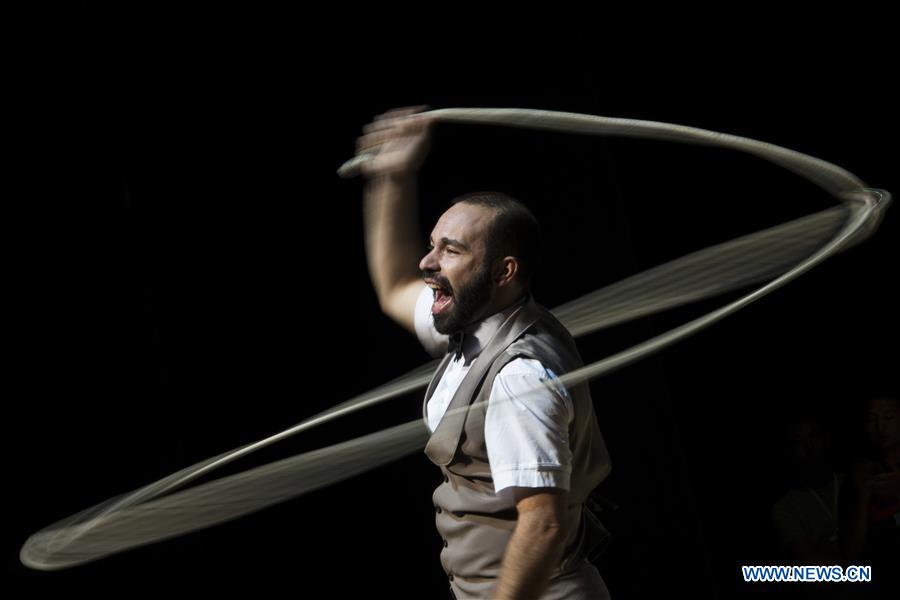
(397, 180)
(401, 176)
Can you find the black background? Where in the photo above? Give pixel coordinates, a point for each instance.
(187, 274)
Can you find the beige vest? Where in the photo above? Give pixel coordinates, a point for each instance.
(474, 522)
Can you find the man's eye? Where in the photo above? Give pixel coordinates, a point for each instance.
(452, 251)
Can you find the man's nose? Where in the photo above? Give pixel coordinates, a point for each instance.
(429, 262)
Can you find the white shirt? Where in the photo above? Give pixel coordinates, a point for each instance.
(527, 438)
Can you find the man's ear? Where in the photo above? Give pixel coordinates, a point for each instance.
(505, 270)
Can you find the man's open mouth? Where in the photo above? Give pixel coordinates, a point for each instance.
(442, 299)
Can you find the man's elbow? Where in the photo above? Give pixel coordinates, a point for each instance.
(399, 302)
(390, 308)
(384, 304)
(397, 308)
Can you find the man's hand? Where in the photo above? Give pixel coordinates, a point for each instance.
(399, 140)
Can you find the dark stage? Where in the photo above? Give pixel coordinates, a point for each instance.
(189, 275)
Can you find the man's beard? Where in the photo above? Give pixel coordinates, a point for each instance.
(467, 301)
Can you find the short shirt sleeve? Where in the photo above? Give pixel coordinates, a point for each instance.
(435, 343)
(527, 427)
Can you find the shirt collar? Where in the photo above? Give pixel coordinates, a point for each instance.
(474, 337)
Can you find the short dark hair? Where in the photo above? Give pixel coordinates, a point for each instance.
(514, 231)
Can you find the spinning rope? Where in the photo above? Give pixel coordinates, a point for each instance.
(769, 258)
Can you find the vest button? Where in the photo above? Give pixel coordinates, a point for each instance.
(450, 576)
(437, 509)
(446, 479)
(445, 543)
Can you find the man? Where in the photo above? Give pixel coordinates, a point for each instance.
(519, 452)
(870, 508)
(806, 516)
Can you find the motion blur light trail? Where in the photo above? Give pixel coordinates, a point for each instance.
(771, 257)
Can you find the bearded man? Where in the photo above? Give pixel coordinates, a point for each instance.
(520, 453)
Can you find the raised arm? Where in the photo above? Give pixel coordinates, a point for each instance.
(394, 244)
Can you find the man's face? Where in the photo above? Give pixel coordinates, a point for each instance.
(456, 265)
(807, 445)
(882, 422)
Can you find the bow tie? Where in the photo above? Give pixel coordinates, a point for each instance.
(456, 344)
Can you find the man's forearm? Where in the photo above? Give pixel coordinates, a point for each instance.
(531, 555)
(393, 239)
